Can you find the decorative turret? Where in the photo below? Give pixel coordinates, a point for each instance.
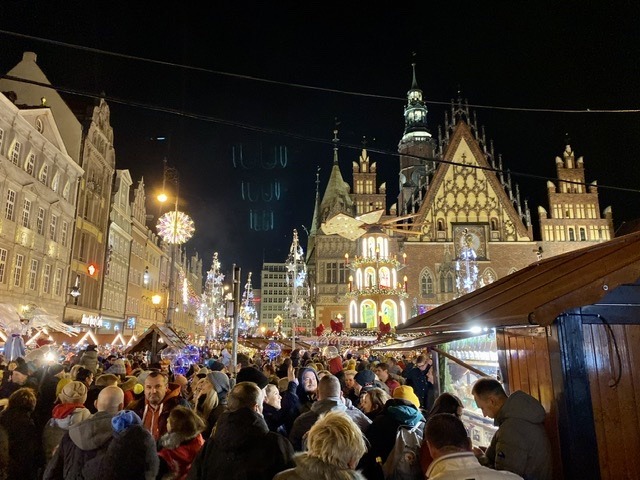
(336, 197)
(416, 148)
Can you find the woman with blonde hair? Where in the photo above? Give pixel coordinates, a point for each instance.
(335, 445)
(205, 403)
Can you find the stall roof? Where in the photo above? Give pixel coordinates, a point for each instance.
(423, 342)
(537, 294)
(168, 335)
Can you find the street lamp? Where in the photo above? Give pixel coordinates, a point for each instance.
(156, 299)
(175, 228)
(75, 290)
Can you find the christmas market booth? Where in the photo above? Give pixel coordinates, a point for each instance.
(156, 338)
(566, 330)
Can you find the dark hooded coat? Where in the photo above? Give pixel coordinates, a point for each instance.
(242, 448)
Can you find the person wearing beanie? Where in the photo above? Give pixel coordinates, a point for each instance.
(24, 441)
(68, 412)
(180, 445)
(20, 377)
(131, 453)
(403, 409)
(117, 368)
(127, 387)
(406, 392)
(89, 359)
(251, 374)
(215, 366)
(86, 440)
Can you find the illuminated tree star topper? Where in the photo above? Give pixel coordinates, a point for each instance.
(176, 230)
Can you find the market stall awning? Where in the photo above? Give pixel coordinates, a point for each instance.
(537, 294)
(423, 342)
(167, 337)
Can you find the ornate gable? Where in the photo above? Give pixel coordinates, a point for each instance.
(461, 193)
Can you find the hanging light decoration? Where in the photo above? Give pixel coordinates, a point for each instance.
(466, 266)
(175, 227)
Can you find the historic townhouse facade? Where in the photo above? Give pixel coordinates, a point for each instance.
(38, 190)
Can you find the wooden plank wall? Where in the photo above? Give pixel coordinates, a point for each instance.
(528, 364)
(616, 408)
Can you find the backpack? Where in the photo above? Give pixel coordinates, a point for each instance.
(403, 462)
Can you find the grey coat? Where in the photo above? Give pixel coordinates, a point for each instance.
(521, 444)
(84, 441)
(305, 421)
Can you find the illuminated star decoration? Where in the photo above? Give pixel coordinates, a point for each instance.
(175, 230)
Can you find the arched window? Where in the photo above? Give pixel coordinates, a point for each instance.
(426, 284)
(385, 278)
(368, 313)
(44, 174)
(446, 282)
(572, 235)
(30, 164)
(369, 277)
(583, 234)
(441, 225)
(55, 182)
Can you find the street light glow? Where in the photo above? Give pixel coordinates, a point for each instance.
(162, 197)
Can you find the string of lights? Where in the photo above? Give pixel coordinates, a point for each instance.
(303, 86)
(287, 134)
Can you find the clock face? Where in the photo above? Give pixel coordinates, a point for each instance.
(470, 236)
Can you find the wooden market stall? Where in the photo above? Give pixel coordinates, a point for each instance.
(568, 333)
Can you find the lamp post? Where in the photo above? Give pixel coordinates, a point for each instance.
(75, 290)
(175, 228)
(156, 299)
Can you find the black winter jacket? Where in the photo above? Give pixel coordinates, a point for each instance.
(242, 448)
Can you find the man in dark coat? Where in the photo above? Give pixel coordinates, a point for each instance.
(419, 377)
(242, 446)
(86, 440)
(329, 399)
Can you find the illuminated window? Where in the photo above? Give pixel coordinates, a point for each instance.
(30, 164)
(17, 271)
(40, 221)
(15, 153)
(3, 263)
(33, 273)
(46, 279)
(26, 212)
(10, 205)
(44, 174)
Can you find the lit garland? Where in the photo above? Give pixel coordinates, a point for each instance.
(175, 230)
(381, 262)
(377, 290)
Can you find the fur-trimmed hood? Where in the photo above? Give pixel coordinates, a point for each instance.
(175, 439)
(312, 467)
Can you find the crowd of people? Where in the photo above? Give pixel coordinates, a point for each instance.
(303, 416)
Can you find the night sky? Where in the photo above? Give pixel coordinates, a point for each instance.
(355, 65)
